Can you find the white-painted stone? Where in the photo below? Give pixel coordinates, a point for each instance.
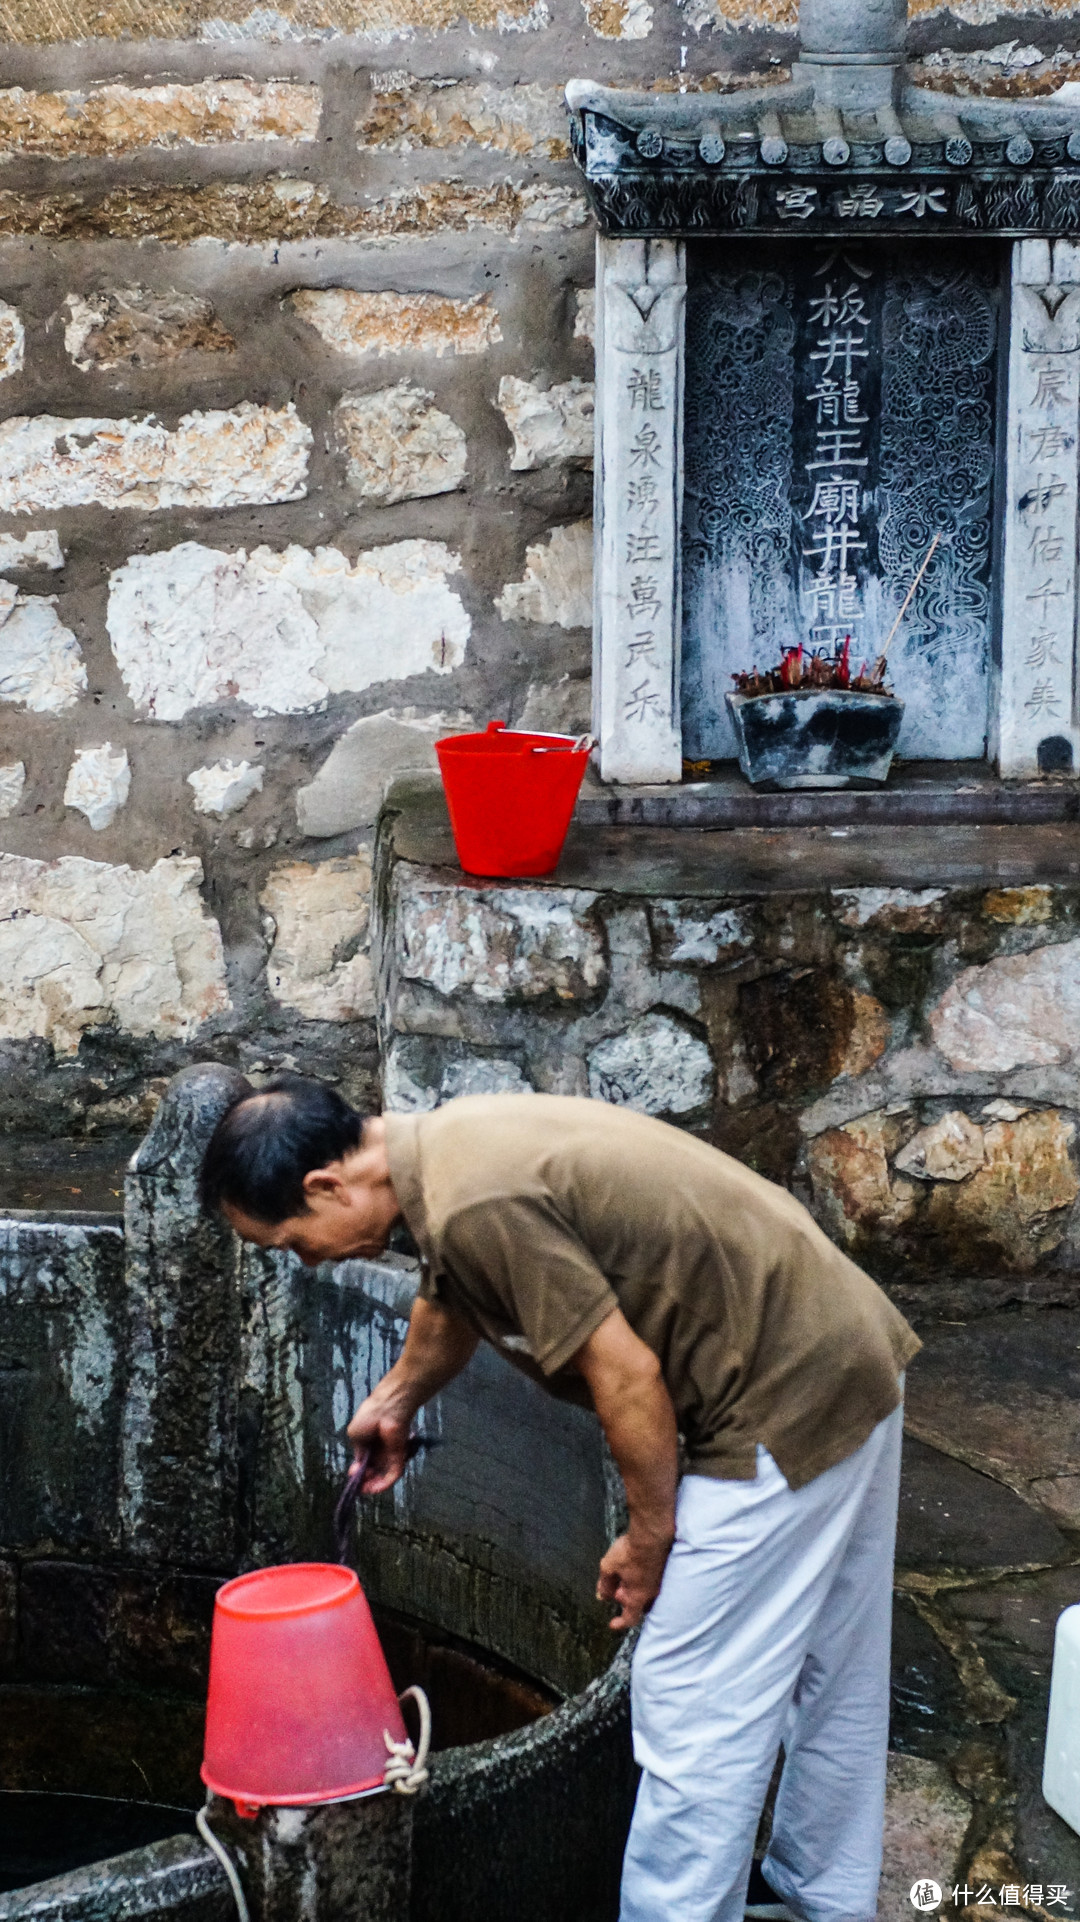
(40, 664)
(501, 943)
(12, 783)
(641, 298)
(548, 424)
(98, 783)
(557, 588)
(361, 324)
(40, 549)
(348, 789)
(12, 341)
(522, 119)
(655, 1066)
(118, 119)
(192, 626)
(84, 944)
(1020, 1010)
(235, 457)
(619, 19)
(1000, 1110)
(949, 1150)
(223, 787)
(136, 327)
(319, 962)
(585, 315)
(399, 446)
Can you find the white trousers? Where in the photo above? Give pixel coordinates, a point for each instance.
(772, 1627)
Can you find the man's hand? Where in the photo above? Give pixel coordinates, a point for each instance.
(437, 1347)
(384, 1438)
(637, 1416)
(631, 1574)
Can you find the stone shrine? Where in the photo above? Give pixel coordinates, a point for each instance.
(799, 387)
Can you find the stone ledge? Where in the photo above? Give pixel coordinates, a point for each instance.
(707, 859)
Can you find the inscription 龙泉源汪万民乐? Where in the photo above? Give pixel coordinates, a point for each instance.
(644, 553)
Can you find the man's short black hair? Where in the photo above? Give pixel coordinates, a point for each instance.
(266, 1142)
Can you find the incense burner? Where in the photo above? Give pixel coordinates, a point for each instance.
(819, 737)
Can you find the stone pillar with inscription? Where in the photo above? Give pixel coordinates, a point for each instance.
(1035, 711)
(641, 298)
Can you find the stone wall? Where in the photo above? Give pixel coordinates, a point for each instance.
(295, 437)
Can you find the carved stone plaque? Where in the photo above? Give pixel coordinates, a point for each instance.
(840, 412)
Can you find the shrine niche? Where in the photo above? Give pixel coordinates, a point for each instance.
(836, 319)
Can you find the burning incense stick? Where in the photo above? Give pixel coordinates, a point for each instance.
(879, 664)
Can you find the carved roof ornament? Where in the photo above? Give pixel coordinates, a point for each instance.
(846, 146)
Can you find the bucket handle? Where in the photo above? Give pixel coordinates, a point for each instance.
(406, 1771)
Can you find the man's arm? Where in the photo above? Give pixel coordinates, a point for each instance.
(437, 1347)
(638, 1418)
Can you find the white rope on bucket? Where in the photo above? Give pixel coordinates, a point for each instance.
(406, 1771)
(218, 1848)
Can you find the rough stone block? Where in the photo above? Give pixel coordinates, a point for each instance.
(379, 324)
(41, 666)
(557, 589)
(193, 626)
(524, 119)
(423, 1071)
(237, 20)
(40, 549)
(118, 119)
(558, 707)
(807, 1027)
(241, 456)
(319, 963)
(1013, 1210)
(269, 211)
(12, 340)
(853, 1191)
(949, 1150)
(225, 786)
(657, 1066)
(399, 446)
(893, 910)
(551, 424)
(98, 784)
(1002, 1393)
(619, 19)
(516, 944)
(12, 783)
(132, 327)
(83, 945)
(699, 934)
(1019, 907)
(348, 790)
(585, 315)
(1019, 1009)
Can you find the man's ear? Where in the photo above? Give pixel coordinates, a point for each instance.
(323, 1184)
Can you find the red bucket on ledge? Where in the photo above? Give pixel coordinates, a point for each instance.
(511, 796)
(301, 1700)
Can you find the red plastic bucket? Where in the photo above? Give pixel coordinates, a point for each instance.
(510, 797)
(300, 1699)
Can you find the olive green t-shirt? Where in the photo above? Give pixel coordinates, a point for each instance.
(537, 1215)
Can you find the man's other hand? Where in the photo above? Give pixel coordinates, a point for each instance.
(385, 1440)
(630, 1574)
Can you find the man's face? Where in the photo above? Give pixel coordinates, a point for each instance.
(344, 1217)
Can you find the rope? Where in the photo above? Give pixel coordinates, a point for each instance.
(406, 1771)
(218, 1848)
